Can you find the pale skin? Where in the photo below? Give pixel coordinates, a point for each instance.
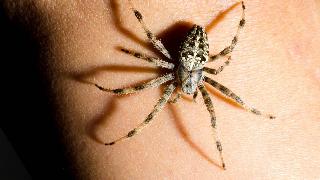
(274, 67)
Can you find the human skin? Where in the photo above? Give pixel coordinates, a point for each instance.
(275, 67)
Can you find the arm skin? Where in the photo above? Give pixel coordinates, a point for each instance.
(275, 67)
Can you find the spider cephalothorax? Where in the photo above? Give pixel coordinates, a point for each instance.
(189, 74)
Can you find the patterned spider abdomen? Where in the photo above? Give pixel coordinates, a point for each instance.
(194, 52)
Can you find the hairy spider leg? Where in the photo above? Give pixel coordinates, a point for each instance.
(161, 102)
(209, 105)
(195, 95)
(227, 92)
(230, 48)
(179, 95)
(175, 99)
(156, 61)
(220, 69)
(152, 38)
(153, 83)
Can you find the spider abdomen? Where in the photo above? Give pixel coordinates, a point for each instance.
(194, 51)
(193, 55)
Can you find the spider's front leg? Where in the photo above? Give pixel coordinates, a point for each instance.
(161, 102)
(195, 95)
(175, 99)
(230, 48)
(209, 106)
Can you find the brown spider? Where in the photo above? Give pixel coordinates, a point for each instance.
(193, 55)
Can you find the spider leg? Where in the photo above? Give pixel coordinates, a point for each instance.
(209, 106)
(175, 99)
(156, 61)
(217, 71)
(195, 95)
(153, 83)
(227, 92)
(152, 38)
(161, 102)
(230, 48)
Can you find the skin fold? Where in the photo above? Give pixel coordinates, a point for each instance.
(275, 67)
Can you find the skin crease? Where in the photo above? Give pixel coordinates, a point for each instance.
(274, 67)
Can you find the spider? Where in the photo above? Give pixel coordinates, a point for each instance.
(188, 74)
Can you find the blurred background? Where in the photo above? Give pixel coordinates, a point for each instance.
(11, 167)
(29, 137)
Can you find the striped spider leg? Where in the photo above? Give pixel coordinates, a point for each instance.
(209, 105)
(161, 102)
(152, 38)
(226, 51)
(153, 83)
(234, 41)
(228, 93)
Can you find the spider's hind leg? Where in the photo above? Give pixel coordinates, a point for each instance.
(234, 42)
(220, 69)
(152, 38)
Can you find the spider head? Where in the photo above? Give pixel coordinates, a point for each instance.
(189, 80)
